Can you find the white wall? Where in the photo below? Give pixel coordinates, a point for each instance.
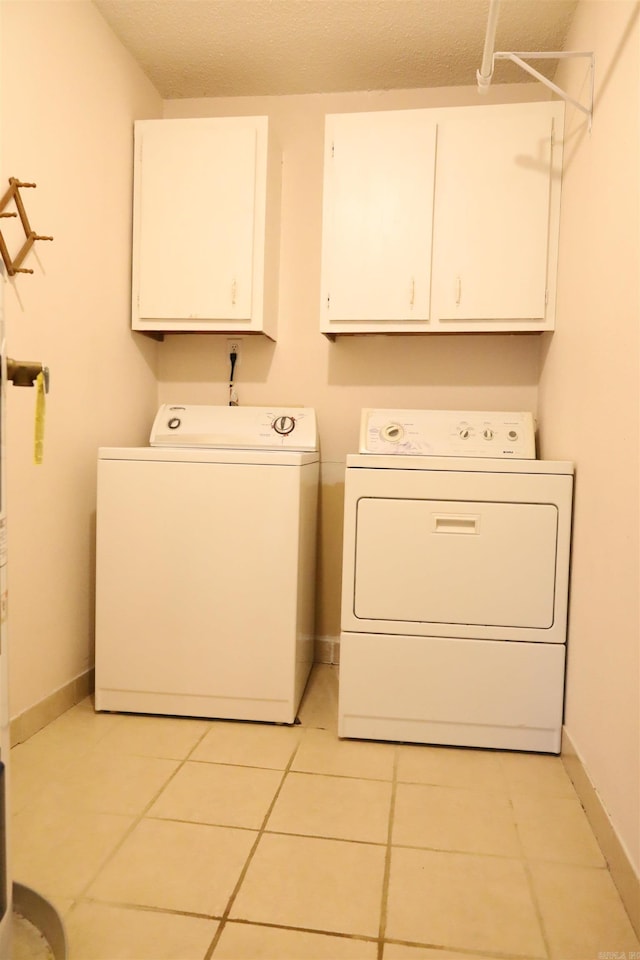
(589, 407)
(339, 378)
(70, 94)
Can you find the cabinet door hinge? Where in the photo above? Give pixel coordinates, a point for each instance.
(333, 149)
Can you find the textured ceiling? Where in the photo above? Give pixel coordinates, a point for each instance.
(230, 48)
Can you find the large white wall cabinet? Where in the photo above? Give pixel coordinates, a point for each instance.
(442, 220)
(205, 226)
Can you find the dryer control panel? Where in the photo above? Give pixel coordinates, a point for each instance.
(448, 433)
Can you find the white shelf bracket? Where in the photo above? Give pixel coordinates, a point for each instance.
(520, 58)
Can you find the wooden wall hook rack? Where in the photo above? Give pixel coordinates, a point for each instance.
(13, 264)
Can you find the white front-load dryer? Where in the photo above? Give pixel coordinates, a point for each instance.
(455, 583)
(206, 544)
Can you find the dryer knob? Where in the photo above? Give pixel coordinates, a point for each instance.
(174, 423)
(392, 432)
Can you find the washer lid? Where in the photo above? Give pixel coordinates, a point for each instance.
(239, 428)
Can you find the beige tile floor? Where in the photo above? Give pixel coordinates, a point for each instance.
(174, 839)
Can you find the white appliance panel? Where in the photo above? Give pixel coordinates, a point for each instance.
(239, 428)
(451, 691)
(455, 562)
(448, 433)
(205, 582)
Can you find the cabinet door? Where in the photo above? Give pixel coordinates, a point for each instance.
(377, 221)
(197, 222)
(496, 214)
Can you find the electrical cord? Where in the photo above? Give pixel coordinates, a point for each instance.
(233, 396)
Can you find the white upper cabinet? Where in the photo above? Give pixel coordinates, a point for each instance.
(442, 220)
(496, 217)
(206, 226)
(377, 221)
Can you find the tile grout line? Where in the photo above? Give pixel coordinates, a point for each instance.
(261, 831)
(387, 860)
(527, 870)
(315, 931)
(82, 895)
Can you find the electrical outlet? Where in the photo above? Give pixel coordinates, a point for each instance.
(234, 345)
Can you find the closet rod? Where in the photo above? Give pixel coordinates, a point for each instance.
(484, 75)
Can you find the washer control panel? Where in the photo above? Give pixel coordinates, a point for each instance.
(448, 433)
(240, 428)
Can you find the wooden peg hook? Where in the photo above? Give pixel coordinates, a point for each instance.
(13, 194)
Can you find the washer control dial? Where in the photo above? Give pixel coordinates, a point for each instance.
(284, 425)
(174, 423)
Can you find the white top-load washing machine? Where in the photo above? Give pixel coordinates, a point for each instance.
(206, 544)
(455, 582)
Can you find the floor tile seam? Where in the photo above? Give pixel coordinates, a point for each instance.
(531, 791)
(358, 937)
(247, 863)
(462, 953)
(341, 776)
(323, 836)
(537, 908)
(462, 787)
(523, 858)
(205, 733)
(156, 818)
(237, 766)
(601, 867)
(144, 908)
(519, 827)
(136, 820)
(458, 853)
(384, 896)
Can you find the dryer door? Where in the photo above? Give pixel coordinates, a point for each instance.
(455, 562)
(483, 562)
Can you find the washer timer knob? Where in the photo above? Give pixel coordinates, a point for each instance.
(283, 425)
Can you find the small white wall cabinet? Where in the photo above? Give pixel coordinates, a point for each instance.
(205, 226)
(442, 220)
(377, 220)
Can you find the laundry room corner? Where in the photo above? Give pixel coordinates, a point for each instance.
(589, 408)
(72, 314)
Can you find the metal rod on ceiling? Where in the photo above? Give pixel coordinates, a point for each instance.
(485, 73)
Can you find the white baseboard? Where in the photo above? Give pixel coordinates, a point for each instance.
(620, 867)
(327, 650)
(35, 718)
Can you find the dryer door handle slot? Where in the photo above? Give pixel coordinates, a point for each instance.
(456, 523)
